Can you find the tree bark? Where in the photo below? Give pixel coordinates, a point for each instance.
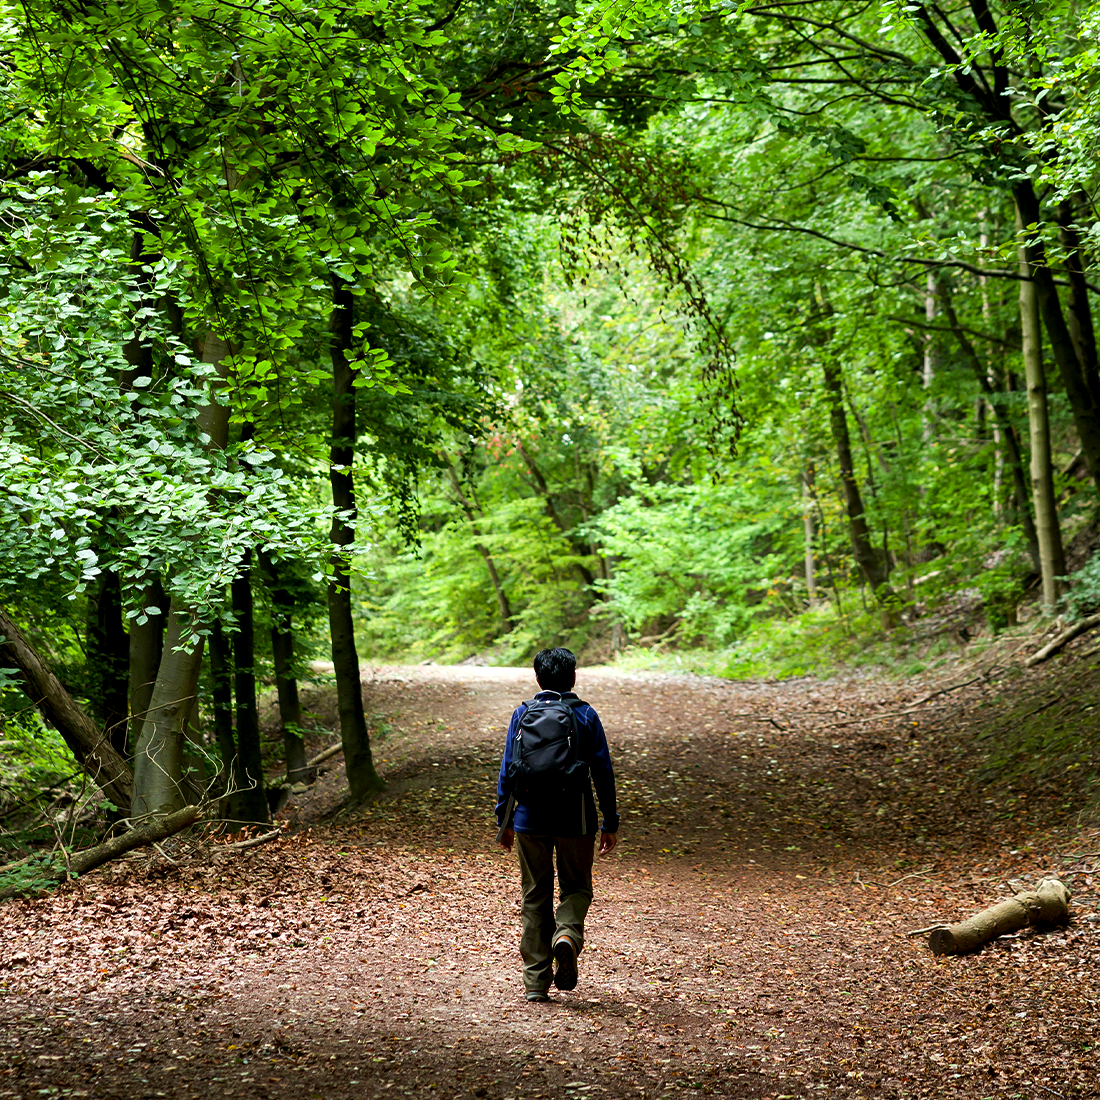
(158, 755)
(87, 742)
(1078, 306)
(867, 558)
(1051, 556)
(1086, 413)
(108, 660)
(146, 650)
(363, 779)
(1047, 906)
(286, 683)
(248, 801)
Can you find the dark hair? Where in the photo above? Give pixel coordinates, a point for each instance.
(555, 669)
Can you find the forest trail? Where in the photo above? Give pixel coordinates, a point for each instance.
(746, 939)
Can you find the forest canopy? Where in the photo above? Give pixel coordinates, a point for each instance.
(759, 335)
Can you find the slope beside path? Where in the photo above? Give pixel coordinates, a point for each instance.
(746, 940)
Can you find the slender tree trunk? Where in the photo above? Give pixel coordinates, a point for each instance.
(158, 756)
(468, 508)
(363, 779)
(282, 651)
(87, 742)
(808, 529)
(146, 649)
(109, 659)
(221, 689)
(930, 364)
(867, 558)
(1007, 430)
(249, 801)
(1051, 557)
(1086, 413)
(543, 489)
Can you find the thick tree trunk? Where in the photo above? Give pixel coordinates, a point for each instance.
(867, 558)
(1086, 413)
(286, 683)
(158, 755)
(1007, 430)
(1047, 906)
(146, 650)
(248, 802)
(109, 660)
(1051, 557)
(1078, 306)
(363, 779)
(87, 742)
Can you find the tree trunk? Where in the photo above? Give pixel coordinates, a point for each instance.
(867, 558)
(1051, 557)
(85, 739)
(1007, 430)
(1047, 906)
(1078, 306)
(248, 802)
(543, 489)
(808, 530)
(1086, 413)
(282, 652)
(930, 364)
(146, 650)
(363, 779)
(158, 756)
(494, 578)
(221, 689)
(108, 660)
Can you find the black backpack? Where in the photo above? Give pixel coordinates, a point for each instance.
(545, 762)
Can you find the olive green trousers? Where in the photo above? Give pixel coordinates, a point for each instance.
(543, 924)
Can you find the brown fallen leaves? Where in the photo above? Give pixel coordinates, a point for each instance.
(747, 937)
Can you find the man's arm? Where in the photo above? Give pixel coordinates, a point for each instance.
(603, 777)
(505, 803)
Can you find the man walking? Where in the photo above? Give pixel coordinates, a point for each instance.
(555, 749)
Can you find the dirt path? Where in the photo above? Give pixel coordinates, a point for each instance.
(746, 939)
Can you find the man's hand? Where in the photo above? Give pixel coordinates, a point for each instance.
(507, 839)
(607, 842)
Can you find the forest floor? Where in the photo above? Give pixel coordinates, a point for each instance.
(747, 937)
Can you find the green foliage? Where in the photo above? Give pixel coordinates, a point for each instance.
(1083, 597)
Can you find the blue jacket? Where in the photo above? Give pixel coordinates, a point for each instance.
(578, 817)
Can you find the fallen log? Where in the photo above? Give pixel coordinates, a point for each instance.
(1047, 906)
(87, 742)
(1052, 647)
(80, 863)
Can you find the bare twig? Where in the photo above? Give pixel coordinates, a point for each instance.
(930, 928)
(174, 862)
(252, 842)
(915, 874)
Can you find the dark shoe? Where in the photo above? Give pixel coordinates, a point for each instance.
(536, 996)
(565, 955)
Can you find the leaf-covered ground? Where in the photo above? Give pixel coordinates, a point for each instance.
(747, 937)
